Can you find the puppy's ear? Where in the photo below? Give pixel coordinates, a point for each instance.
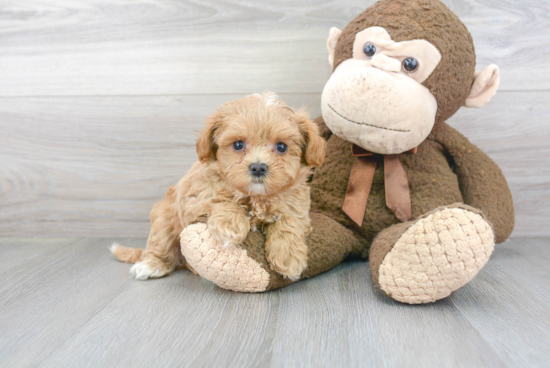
(314, 151)
(206, 145)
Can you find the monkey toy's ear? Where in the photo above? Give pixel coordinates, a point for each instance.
(332, 40)
(484, 87)
(206, 146)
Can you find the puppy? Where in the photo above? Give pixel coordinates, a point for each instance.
(255, 157)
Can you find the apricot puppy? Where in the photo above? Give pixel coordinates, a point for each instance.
(255, 156)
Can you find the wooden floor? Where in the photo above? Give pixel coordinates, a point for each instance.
(67, 303)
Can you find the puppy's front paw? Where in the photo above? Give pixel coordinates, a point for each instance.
(289, 261)
(229, 231)
(145, 270)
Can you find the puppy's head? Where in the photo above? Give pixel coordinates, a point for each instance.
(260, 145)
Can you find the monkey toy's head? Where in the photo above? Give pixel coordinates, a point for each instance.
(399, 68)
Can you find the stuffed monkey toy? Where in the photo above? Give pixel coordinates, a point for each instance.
(399, 186)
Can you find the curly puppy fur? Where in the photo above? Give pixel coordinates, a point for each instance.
(222, 187)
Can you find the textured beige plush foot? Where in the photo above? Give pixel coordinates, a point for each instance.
(228, 267)
(436, 256)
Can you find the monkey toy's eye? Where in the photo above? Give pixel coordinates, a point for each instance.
(410, 65)
(238, 146)
(281, 147)
(369, 49)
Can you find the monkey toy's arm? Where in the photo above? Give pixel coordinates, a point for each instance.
(481, 181)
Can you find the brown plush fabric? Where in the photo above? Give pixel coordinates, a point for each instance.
(432, 184)
(432, 21)
(476, 181)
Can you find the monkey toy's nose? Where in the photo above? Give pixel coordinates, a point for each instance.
(386, 63)
(258, 170)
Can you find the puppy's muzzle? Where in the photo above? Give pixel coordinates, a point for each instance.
(258, 170)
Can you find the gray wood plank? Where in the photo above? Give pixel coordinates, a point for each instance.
(340, 319)
(20, 252)
(83, 310)
(181, 320)
(47, 301)
(94, 166)
(508, 302)
(100, 47)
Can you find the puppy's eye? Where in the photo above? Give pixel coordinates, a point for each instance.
(369, 49)
(281, 147)
(238, 145)
(410, 65)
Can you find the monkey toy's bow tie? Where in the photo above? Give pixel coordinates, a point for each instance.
(398, 197)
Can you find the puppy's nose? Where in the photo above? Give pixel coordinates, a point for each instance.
(258, 170)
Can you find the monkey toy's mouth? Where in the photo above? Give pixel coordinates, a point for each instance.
(371, 125)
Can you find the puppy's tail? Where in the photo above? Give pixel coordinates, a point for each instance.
(125, 254)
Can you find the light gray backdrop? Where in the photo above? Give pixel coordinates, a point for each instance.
(100, 101)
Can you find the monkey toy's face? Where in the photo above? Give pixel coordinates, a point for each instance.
(376, 98)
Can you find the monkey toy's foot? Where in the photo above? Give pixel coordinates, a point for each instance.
(228, 267)
(427, 259)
